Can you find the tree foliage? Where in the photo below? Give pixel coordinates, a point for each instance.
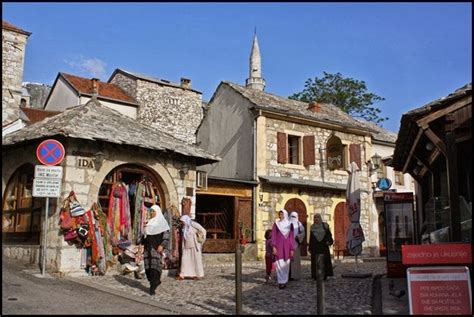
(348, 94)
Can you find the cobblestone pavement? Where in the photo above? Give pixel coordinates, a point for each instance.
(215, 294)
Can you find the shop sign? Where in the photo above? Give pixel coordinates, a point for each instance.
(85, 162)
(449, 253)
(442, 290)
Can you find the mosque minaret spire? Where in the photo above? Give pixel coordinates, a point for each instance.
(255, 80)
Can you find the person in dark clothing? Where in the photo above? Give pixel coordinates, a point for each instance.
(319, 241)
(155, 241)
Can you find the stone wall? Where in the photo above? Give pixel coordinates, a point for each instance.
(85, 182)
(13, 54)
(315, 200)
(174, 110)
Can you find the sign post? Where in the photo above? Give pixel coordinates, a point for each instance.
(47, 181)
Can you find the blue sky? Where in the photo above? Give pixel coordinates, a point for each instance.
(408, 53)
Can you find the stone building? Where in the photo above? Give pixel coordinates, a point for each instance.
(174, 108)
(279, 153)
(13, 57)
(102, 147)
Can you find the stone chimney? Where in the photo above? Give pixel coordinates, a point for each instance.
(185, 83)
(314, 106)
(95, 87)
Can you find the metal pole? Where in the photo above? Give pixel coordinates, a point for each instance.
(45, 230)
(320, 283)
(238, 280)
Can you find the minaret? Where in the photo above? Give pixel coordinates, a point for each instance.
(255, 80)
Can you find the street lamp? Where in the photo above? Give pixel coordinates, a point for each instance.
(374, 163)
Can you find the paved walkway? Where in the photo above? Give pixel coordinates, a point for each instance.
(215, 294)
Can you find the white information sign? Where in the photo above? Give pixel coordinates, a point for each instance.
(46, 187)
(45, 171)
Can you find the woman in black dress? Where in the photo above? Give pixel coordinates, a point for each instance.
(155, 241)
(319, 241)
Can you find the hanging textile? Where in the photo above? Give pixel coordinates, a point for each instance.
(141, 212)
(119, 216)
(98, 257)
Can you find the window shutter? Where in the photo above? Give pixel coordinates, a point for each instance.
(354, 154)
(282, 151)
(308, 150)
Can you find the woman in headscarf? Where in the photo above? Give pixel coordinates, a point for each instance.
(191, 260)
(319, 241)
(295, 267)
(283, 247)
(155, 241)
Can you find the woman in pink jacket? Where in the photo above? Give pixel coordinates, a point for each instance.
(283, 247)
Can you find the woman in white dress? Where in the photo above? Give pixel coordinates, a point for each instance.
(295, 267)
(191, 261)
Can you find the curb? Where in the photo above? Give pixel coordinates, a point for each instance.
(134, 298)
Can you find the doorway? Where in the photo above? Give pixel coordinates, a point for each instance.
(341, 225)
(297, 205)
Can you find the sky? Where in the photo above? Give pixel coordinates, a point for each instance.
(408, 53)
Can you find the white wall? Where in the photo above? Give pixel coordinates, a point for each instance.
(62, 96)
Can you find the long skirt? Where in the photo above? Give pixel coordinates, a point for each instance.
(328, 271)
(295, 267)
(154, 277)
(282, 270)
(191, 263)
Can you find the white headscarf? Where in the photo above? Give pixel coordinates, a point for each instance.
(294, 220)
(284, 225)
(157, 224)
(187, 224)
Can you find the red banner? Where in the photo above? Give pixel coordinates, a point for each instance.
(449, 253)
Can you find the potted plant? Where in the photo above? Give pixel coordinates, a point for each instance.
(245, 234)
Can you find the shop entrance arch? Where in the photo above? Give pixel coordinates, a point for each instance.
(131, 175)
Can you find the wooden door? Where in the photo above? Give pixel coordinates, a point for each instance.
(297, 205)
(341, 225)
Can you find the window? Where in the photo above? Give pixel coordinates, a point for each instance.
(399, 178)
(21, 213)
(201, 179)
(293, 149)
(335, 150)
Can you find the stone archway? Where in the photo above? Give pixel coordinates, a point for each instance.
(298, 205)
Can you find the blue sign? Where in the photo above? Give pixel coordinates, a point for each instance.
(50, 152)
(384, 183)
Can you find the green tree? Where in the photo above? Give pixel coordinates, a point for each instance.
(349, 94)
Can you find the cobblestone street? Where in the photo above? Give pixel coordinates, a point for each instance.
(215, 294)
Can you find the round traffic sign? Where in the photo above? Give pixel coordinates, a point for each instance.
(384, 183)
(50, 152)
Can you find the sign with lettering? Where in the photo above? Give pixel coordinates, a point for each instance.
(446, 253)
(46, 187)
(85, 163)
(44, 171)
(442, 290)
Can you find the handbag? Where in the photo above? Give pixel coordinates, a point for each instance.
(83, 230)
(70, 235)
(74, 206)
(66, 221)
(200, 237)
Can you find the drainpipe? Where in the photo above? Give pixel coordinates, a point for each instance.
(254, 200)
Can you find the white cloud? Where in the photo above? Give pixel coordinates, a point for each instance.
(91, 67)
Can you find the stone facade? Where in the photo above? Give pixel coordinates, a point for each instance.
(13, 56)
(316, 200)
(85, 182)
(172, 109)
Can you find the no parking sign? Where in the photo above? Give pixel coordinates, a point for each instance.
(50, 152)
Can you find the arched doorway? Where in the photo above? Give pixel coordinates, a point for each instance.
(297, 205)
(341, 225)
(132, 175)
(21, 213)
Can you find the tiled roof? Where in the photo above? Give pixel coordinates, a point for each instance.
(8, 26)
(327, 114)
(93, 121)
(155, 80)
(380, 133)
(35, 115)
(106, 90)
